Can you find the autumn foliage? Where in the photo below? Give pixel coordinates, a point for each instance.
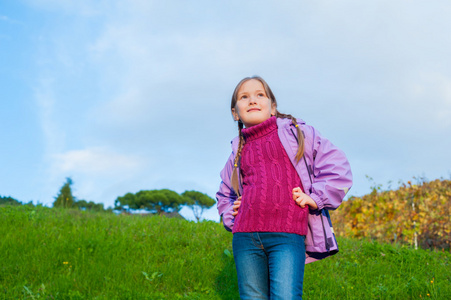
(414, 213)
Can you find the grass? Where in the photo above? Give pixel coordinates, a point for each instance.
(69, 254)
(370, 270)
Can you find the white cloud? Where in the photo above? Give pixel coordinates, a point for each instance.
(9, 20)
(96, 161)
(81, 7)
(45, 99)
(431, 95)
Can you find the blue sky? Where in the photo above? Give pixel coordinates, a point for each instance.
(123, 96)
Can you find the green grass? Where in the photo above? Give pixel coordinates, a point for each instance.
(68, 254)
(370, 270)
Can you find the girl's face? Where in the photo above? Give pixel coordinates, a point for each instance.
(252, 105)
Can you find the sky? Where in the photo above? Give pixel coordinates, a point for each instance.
(123, 96)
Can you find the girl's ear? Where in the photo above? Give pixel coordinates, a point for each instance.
(273, 109)
(235, 115)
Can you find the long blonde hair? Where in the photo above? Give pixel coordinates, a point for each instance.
(270, 95)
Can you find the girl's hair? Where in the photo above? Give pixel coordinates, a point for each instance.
(270, 95)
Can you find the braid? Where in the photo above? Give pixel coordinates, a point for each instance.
(234, 179)
(240, 145)
(300, 152)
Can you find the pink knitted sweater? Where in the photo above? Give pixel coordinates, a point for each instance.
(268, 178)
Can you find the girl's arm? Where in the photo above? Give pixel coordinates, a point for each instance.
(226, 196)
(332, 176)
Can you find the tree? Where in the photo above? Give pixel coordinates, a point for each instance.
(85, 205)
(155, 201)
(159, 201)
(199, 202)
(9, 201)
(65, 198)
(126, 202)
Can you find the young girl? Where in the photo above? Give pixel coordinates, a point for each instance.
(277, 187)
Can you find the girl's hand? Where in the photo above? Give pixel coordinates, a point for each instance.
(303, 199)
(236, 206)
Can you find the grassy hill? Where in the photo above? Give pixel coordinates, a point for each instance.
(70, 254)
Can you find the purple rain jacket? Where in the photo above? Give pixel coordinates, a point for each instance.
(330, 180)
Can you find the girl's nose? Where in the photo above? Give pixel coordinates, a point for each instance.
(252, 99)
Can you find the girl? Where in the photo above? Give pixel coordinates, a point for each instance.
(276, 189)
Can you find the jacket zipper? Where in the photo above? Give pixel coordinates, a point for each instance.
(310, 190)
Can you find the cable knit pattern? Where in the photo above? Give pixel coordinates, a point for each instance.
(268, 178)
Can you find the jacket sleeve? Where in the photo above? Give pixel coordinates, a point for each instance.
(226, 195)
(332, 176)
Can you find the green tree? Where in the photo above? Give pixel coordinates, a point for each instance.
(199, 202)
(154, 201)
(9, 201)
(89, 205)
(126, 202)
(65, 198)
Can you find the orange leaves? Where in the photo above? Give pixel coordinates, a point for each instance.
(395, 216)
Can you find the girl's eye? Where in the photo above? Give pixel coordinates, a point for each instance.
(243, 97)
(261, 95)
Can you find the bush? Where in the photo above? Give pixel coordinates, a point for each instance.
(413, 212)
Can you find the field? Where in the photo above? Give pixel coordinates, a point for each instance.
(49, 253)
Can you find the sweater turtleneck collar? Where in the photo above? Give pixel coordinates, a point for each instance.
(259, 130)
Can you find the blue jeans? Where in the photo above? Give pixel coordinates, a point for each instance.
(269, 265)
